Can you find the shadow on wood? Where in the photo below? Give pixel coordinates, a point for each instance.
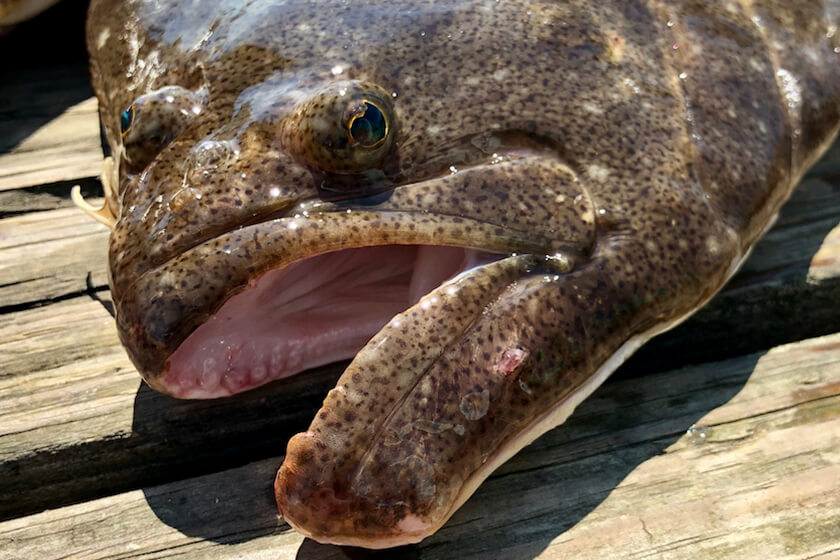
(228, 512)
(272, 414)
(46, 197)
(53, 41)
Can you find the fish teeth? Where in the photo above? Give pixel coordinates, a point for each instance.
(237, 378)
(278, 362)
(210, 374)
(259, 373)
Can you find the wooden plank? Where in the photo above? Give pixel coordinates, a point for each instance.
(75, 422)
(46, 197)
(49, 127)
(49, 255)
(62, 149)
(756, 476)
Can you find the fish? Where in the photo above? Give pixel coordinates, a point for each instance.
(486, 205)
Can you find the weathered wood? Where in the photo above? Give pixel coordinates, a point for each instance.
(49, 128)
(49, 255)
(46, 197)
(757, 476)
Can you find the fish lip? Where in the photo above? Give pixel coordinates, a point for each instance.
(394, 539)
(284, 216)
(320, 489)
(360, 518)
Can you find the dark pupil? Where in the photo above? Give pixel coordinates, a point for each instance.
(126, 118)
(369, 128)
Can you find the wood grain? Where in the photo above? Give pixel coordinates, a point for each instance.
(756, 476)
(50, 255)
(49, 128)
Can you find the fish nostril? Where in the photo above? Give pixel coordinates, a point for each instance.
(207, 157)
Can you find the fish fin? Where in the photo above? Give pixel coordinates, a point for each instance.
(103, 215)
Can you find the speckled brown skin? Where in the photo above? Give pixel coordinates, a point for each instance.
(628, 152)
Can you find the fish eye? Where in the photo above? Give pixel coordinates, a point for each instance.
(347, 128)
(368, 127)
(126, 120)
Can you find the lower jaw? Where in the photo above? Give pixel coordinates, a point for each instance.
(309, 313)
(413, 529)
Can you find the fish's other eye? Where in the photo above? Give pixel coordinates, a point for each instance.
(126, 120)
(153, 120)
(347, 128)
(368, 128)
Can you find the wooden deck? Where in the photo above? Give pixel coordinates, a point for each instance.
(718, 440)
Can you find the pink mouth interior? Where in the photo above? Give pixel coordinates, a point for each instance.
(312, 312)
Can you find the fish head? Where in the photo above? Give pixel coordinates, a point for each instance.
(286, 187)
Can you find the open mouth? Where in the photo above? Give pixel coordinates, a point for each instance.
(314, 311)
(219, 313)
